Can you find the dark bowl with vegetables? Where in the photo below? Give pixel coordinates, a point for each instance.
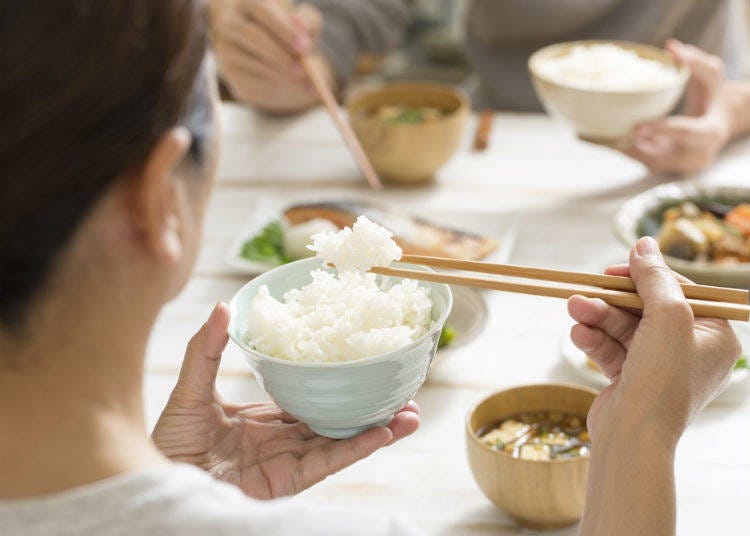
(703, 231)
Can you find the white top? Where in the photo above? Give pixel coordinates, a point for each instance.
(179, 499)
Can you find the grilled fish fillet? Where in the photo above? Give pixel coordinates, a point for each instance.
(415, 236)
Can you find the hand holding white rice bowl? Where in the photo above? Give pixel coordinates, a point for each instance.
(339, 398)
(604, 108)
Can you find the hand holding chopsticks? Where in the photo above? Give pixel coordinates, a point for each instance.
(706, 301)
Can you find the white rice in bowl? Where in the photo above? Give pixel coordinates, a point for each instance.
(607, 67)
(344, 316)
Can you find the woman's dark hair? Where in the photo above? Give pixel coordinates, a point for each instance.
(87, 87)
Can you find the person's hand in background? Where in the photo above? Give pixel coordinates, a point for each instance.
(258, 44)
(715, 111)
(665, 367)
(258, 447)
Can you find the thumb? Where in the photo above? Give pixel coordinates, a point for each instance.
(663, 299)
(705, 68)
(203, 354)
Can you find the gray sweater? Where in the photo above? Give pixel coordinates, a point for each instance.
(502, 34)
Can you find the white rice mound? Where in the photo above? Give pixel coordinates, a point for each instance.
(607, 67)
(344, 316)
(359, 248)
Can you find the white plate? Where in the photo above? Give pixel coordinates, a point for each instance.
(249, 229)
(578, 360)
(468, 316)
(505, 231)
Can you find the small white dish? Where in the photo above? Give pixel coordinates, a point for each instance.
(468, 317)
(252, 226)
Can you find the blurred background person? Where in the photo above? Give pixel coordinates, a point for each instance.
(258, 42)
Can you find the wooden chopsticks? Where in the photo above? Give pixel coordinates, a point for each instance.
(614, 282)
(344, 129)
(706, 301)
(325, 94)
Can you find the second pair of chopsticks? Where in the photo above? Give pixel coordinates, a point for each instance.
(329, 101)
(706, 301)
(347, 134)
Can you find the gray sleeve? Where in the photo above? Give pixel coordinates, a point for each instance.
(352, 27)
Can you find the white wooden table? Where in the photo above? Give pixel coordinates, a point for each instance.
(564, 193)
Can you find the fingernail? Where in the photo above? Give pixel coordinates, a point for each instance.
(214, 313)
(647, 246)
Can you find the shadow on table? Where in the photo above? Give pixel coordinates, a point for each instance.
(563, 372)
(625, 191)
(492, 521)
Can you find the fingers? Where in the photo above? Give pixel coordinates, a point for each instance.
(332, 457)
(658, 153)
(678, 144)
(310, 19)
(405, 422)
(595, 313)
(663, 299)
(279, 23)
(411, 406)
(704, 67)
(249, 39)
(676, 127)
(624, 271)
(203, 354)
(605, 351)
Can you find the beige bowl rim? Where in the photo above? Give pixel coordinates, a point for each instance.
(475, 438)
(460, 94)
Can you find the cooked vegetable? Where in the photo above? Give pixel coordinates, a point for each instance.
(712, 233)
(446, 336)
(742, 363)
(541, 436)
(739, 217)
(267, 246)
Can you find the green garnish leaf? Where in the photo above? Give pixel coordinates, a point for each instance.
(446, 336)
(742, 363)
(408, 115)
(267, 246)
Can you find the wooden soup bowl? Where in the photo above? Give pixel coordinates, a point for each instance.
(538, 494)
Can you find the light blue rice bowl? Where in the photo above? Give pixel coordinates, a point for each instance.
(340, 399)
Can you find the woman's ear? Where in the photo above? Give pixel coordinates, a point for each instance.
(155, 192)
